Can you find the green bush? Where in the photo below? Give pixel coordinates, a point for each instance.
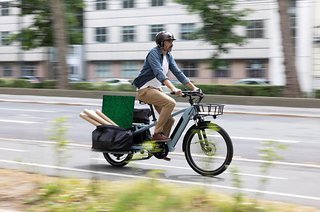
(240, 90)
(317, 94)
(126, 87)
(49, 84)
(215, 89)
(103, 87)
(107, 87)
(82, 86)
(5, 82)
(37, 85)
(21, 83)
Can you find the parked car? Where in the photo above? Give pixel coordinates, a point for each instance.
(253, 81)
(117, 81)
(73, 79)
(31, 79)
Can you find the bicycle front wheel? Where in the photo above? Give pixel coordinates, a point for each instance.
(208, 149)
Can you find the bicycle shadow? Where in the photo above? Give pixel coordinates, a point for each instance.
(142, 172)
(197, 178)
(127, 171)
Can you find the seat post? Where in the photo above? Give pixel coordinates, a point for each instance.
(151, 109)
(152, 113)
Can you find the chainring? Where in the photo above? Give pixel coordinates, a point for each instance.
(160, 150)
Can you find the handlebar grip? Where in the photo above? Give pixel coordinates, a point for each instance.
(173, 93)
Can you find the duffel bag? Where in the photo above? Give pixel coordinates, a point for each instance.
(111, 138)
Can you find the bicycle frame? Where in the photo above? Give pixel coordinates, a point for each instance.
(188, 113)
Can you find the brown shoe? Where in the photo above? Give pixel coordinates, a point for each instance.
(160, 137)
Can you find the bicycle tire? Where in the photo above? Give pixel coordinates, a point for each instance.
(115, 160)
(213, 153)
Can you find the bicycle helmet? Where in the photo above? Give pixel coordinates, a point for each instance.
(162, 36)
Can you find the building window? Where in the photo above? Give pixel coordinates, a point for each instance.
(186, 31)
(128, 34)
(103, 70)
(72, 51)
(4, 38)
(255, 29)
(73, 70)
(255, 69)
(28, 70)
(154, 29)
(128, 3)
(223, 69)
(190, 69)
(101, 4)
(157, 3)
(4, 8)
(7, 71)
(101, 34)
(129, 69)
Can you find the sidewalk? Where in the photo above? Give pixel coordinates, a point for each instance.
(229, 108)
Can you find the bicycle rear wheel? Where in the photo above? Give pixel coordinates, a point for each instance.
(118, 159)
(208, 149)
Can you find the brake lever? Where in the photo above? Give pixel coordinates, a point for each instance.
(200, 93)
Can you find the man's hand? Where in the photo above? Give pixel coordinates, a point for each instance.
(196, 89)
(173, 89)
(177, 91)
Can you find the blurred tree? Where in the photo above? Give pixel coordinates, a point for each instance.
(292, 88)
(55, 23)
(39, 32)
(219, 19)
(60, 41)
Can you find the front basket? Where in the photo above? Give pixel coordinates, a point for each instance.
(210, 109)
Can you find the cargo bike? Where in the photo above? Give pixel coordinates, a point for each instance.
(207, 147)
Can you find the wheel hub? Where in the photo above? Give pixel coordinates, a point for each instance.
(210, 149)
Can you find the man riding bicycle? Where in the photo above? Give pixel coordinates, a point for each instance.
(153, 76)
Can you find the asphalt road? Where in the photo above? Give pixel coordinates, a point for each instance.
(26, 122)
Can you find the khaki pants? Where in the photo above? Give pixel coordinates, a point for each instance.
(163, 104)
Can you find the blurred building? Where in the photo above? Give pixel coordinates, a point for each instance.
(15, 62)
(119, 34)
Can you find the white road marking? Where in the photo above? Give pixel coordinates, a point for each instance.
(280, 163)
(42, 142)
(28, 110)
(264, 161)
(51, 102)
(188, 168)
(259, 139)
(265, 139)
(171, 153)
(18, 122)
(163, 180)
(13, 150)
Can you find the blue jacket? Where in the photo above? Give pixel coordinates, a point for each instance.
(152, 68)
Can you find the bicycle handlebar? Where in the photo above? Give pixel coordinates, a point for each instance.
(191, 94)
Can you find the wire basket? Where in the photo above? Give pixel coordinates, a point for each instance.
(210, 109)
